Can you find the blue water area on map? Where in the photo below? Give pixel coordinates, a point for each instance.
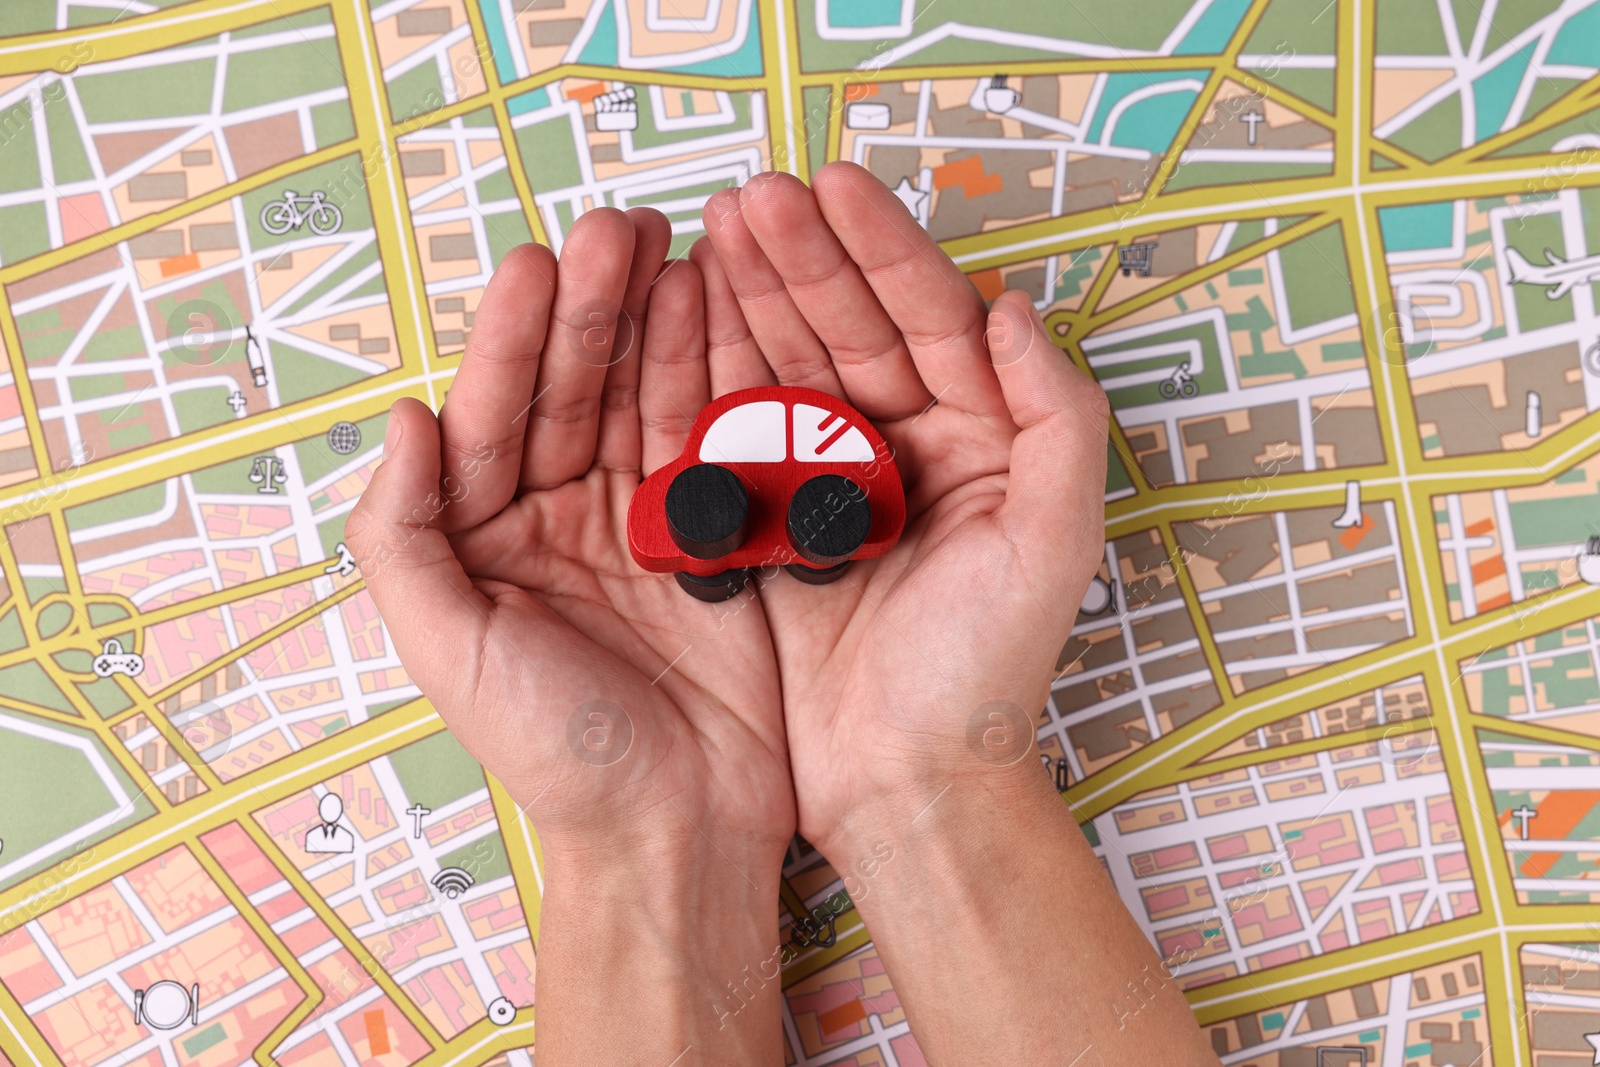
(499, 43)
(862, 14)
(534, 101)
(602, 47)
(1417, 226)
(1576, 43)
(743, 62)
(1214, 30)
(1151, 123)
(1495, 91)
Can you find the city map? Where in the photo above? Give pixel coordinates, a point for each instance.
(1330, 714)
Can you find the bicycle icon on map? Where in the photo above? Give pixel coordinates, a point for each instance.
(1181, 383)
(281, 216)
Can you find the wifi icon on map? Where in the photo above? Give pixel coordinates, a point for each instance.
(452, 882)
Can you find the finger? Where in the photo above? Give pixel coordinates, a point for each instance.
(618, 445)
(734, 358)
(675, 382)
(1056, 491)
(781, 332)
(591, 280)
(936, 307)
(426, 599)
(867, 349)
(482, 423)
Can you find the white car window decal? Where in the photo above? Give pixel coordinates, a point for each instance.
(749, 433)
(820, 436)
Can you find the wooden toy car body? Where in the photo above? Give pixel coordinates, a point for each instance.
(775, 439)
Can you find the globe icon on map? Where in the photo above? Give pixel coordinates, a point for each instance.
(344, 437)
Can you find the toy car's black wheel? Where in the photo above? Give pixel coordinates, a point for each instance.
(815, 575)
(714, 588)
(829, 519)
(706, 511)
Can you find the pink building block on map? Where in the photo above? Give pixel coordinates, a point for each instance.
(66, 1027)
(182, 646)
(176, 889)
(446, 995)
(94, 929)
(1379, 820)
(83, 216)
(400, 1042)
(1277, 957)
(908, 1052)
(24, 969)
(513, 967)
(1228, 846)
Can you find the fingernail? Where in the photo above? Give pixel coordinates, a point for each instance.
(391, 436)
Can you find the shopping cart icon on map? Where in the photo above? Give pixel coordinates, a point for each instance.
(1136, 258)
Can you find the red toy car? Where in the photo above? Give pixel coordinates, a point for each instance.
(770, 476)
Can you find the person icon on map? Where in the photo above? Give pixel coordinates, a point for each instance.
(330, 836)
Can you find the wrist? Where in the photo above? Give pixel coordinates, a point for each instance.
(941, 856)
(922, 742)
(673, 937)
(664, 878)
(992, 902)
(965, 792)
(696, 906)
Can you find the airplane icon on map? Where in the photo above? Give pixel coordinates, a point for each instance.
(1557, 273)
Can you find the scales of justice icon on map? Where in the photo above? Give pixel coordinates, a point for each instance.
(166, 1005)
(268, 473)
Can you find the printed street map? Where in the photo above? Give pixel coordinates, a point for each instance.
(1330, 716)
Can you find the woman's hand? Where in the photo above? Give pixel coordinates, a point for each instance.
(912, 685)
(639, 730)
(892, 675)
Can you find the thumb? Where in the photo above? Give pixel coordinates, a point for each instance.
(425, 597)
(1058, 460)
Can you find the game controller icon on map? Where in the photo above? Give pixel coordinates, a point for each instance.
(112, 660)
